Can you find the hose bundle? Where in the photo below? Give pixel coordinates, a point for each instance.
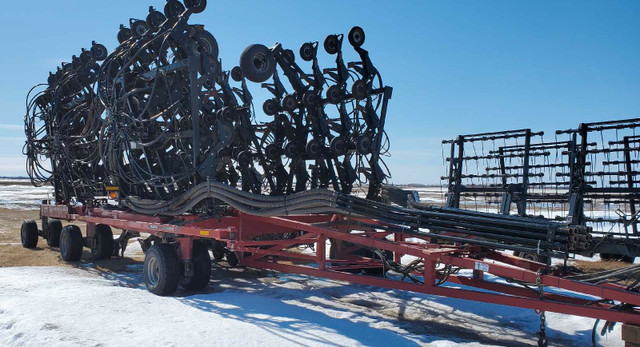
(160, 116)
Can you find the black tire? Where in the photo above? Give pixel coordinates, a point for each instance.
(290, 150)
(617, 257)
(356, 36)
(338, 146)
(359, 89)
(334, 94)
(307, 52)
(161, 270)
(333, 254)
(139, 28)
(290, 103)
(363, 145)
(71, 243)
(232, 259)
(155, 19)
(310, 98)
(314, 148)
(270, 107)
(257, 63)
(104, 242)
(532, 256)
(236, 74)
(332, 44)
(29, 234)
(173, 9)
(218, 250)
(99, 52)
(272, 151)
(206, 43)
(124, 34)
(53, 236)
(628, 259)
(196, 6)
(201, 268)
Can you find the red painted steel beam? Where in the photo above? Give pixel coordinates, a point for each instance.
(500, 299)
(547, 280)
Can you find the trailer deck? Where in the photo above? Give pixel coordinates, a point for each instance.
(299, 244)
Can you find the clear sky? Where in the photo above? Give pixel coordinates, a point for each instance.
(456, 66)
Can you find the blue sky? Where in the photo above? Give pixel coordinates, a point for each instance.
(456, 66)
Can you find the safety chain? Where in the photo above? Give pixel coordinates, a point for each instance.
(542, 335)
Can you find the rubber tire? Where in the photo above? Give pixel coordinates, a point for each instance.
(356, 36)
(270, 107)
(359, 90)
(201, 268)
(99, 52)
(168, 269)
(208, 44)
(196, 6)
(532, 256)
(54, 230)
(249, 69)
(236, 74)
(155, 19)
(332, 44)
(104, 242)
(307, 51)
(333, 255)
(139, 28)
(232, 259)
(29, 234)
(217, 250)
(617, 257)
(290, 103)
(173, 8)
(334, 94)
(71, 243)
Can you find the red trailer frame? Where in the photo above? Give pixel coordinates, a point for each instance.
(245, 234)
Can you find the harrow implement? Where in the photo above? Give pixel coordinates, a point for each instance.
(587, 177)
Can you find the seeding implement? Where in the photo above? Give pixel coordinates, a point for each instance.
(159, 141)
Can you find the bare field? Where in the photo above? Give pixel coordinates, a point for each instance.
(13, 254)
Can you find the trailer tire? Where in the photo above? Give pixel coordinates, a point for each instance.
(29, 234)
(71, 243)
(532, 256)
(617, 257)
(217, 249)
(333, 254)
(201, 268)
(104, 242)
(232, 259)
(378, 271)
(162, 269)
(54, 228)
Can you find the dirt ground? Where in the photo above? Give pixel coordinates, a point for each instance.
(13, 254)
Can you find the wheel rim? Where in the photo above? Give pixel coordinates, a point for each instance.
(153, 271)
(23, 235)
(260, 62)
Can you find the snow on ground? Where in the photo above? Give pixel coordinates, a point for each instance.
(89, 306)
(86, 306)
(18, 194)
